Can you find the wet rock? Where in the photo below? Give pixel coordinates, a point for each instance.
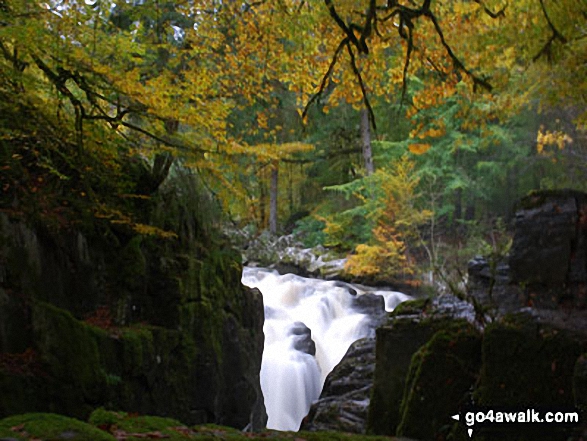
(302, 336)
(370, 304)
(489, 283)
(345, 397)
(352, 291)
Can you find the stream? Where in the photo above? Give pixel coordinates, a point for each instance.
(309, 326)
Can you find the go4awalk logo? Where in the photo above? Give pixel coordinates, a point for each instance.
(517, 418)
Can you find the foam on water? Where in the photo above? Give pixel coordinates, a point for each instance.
(290, 379)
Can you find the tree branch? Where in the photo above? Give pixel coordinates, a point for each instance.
(556, 35)
(326, 76)
(500, 13)
(350, 35)
(362, 85)
(477, 81)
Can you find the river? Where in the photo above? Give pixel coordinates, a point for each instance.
(309, 326)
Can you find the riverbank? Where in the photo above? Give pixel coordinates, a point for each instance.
(117, 426)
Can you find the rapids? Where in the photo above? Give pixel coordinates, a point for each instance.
(309, 326)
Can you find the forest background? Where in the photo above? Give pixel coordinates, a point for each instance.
(399, 133)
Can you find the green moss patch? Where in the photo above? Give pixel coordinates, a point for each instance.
(69, 349)
(410, 307)
(50, 427)
(106, 425)
(440, 375)
(395, 346)
(135, 427)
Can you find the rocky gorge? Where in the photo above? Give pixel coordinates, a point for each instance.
(146, 325)
(99, 315)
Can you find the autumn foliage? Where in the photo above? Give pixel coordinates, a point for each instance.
(242, 94)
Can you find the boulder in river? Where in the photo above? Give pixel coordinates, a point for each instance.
(345, 397)
(302, 336)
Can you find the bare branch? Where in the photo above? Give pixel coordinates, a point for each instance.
(346, 29)
(326, 76)
(362, 84)
(555, 35)
(410, 42)
(500, 13)
(477, 81)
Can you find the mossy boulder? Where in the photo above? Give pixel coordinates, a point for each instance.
(528, 363)
(69, 351)
(441, 374)
(411, 325)
(105, 425)
(49, 427)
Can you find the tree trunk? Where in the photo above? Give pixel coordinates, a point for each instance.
(273, 197)
(262, 199)
(366, 141)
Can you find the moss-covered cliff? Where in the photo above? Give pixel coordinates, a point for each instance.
(99, 313)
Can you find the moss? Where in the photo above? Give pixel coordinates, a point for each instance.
(70, 351)
(410, 307)
(441, 373)
(137, 349)
(395, 346)
(214, 432)
(50, 427)
(133, 424)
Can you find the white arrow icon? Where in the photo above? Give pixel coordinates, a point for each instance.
(457, 417)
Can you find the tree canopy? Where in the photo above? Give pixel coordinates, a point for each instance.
(247, 94)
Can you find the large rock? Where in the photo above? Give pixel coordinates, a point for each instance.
(549, 251)
(442, 373)
(530, 361)
(547, 264)
(434, 357)
(302, 338)
(411, 326)
(345, 397)
(105, 317)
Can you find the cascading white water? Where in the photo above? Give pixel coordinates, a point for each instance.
(294, 367)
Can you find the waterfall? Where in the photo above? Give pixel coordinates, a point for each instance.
(309, 326)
